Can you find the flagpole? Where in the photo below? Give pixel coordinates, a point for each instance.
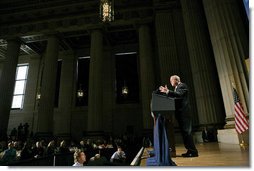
(241, 126)
(243, 144)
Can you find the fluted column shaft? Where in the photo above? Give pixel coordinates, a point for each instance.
(230, 45)
(48, 86)
(7, 83)
(146, 74)
(30, 103)
(184, 61)
(63, 120)
(173, 54)
(207, 91)
(168, 60)
(95, 82)
(165, 33)
(109, 91)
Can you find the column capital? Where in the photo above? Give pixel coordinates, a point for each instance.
(52, 34)
(99, 28)
(138, 25)
(13, 39)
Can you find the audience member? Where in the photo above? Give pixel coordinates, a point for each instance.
(63, 148)
(97, 160)
(39, 150)
(26, 152)
(9, 154)
(79, 158)
(118, 156)
(50, 148)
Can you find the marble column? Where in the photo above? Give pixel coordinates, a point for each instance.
(1, 66)
(63, 117)
(7, 83)
(109, 90)
(147, 79)
(169, 61)
(30, 103)
(167, 50)
(184, 60)
(207, 91)
(229, 36)
(95, 95)
(231, 46)
(46, 104)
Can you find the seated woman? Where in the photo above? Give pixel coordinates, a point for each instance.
(79, 158)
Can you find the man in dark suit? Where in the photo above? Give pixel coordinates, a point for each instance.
(182, 113)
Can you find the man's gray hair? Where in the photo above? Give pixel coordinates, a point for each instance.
(175, 77)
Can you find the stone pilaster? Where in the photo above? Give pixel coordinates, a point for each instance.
(95, 97)
(207, 90)
(7, 83)
(48, 86)
(146, 74)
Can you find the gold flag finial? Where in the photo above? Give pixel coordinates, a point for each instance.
(243, 145)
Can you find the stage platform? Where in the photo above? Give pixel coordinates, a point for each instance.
(210, 154)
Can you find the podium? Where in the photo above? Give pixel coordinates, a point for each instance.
(162, 103)
(165, 106)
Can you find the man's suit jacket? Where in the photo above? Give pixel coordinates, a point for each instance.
(181, 95)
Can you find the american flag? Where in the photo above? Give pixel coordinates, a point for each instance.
(241, 123)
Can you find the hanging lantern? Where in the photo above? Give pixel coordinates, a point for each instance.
(106, 10)
(38, 96)
(125, 90)
(80, 92)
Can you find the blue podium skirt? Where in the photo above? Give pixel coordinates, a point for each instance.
(161, 154)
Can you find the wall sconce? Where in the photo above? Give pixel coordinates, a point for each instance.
(80, 92)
